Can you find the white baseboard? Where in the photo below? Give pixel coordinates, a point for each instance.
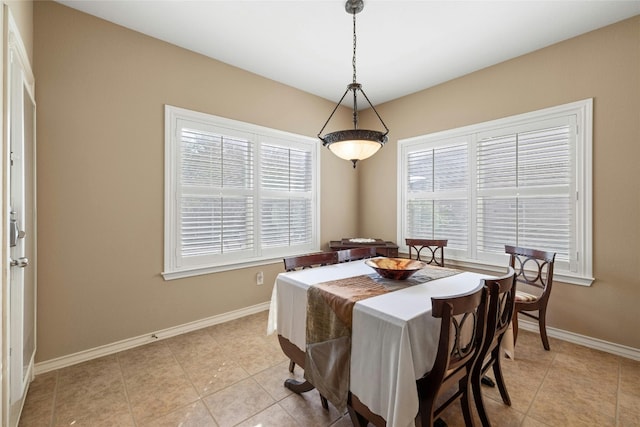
(105, 350)
(595, 343)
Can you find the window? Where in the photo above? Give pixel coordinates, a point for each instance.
(236, 194)
(523, 180)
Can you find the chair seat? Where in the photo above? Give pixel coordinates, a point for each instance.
(525, 297)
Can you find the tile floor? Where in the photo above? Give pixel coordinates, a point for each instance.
(231, 375)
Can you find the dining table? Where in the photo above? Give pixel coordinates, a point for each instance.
(393, 335)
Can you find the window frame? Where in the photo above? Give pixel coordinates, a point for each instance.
(580, 267)
(258, 135)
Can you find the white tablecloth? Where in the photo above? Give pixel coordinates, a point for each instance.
(394, 336)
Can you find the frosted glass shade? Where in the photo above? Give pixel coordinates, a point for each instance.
(355, 149)
(354, 144)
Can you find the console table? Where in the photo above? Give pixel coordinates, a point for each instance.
(388, 249)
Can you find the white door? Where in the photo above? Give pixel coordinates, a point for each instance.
(21, 292)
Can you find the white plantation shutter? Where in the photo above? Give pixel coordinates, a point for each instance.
(285, 209)
(235, 193)
(523, 180)
(216, 215)
(524, 188)
(437, 194)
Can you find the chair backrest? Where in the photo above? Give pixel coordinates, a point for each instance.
(461, 336)
(532, 267)
(427, 250)
(501, 293)
(311, 260)
(346, 255)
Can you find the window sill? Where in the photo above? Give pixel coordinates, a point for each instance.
(199, 271)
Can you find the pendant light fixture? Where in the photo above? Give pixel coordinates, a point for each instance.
(354, 144)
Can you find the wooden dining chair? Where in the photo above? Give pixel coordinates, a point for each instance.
(301, 262)
(310, 260)
(461, 335)
(427, 250)
(346, 255)
(500, 308)
(534, 269)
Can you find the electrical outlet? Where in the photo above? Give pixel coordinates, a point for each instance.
(259, 278)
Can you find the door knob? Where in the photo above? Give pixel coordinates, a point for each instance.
(20, 262)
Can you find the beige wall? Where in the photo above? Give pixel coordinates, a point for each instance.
(101, 91)
(604, 65)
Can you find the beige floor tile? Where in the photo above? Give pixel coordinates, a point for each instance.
(232, 374)
(238, 402)
(628, 418)
(39, 404)
(147, 358)
(231, 332)
(630, 377)
(192, 345)
(37, 416)
(259, 359)
(213, 373)
(502, 415)
(156, 378)
(273, 416)
(36, 413)
(529, 348)
(160, 394)
(97, 406)
(104, 419)
(569, 399)
(628, 409)
(344, 421)
(307, 407)
(192, 415)
(43, 386)
(89, 376)
(88, 387)
(272, 379)
(531, 422)
(587, 363)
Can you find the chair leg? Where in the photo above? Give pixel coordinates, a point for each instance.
(514, 324)
(292, 365)
(542, 322)
(466, 408)
(477, 398)
(487, 381)
(497, 373)
(425, 413)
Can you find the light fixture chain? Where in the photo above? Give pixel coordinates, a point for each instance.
(354, 46)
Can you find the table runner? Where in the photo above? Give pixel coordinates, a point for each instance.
(328, 332)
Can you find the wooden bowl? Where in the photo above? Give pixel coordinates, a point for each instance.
(395, 268)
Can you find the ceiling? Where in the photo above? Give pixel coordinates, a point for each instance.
(402, 46)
